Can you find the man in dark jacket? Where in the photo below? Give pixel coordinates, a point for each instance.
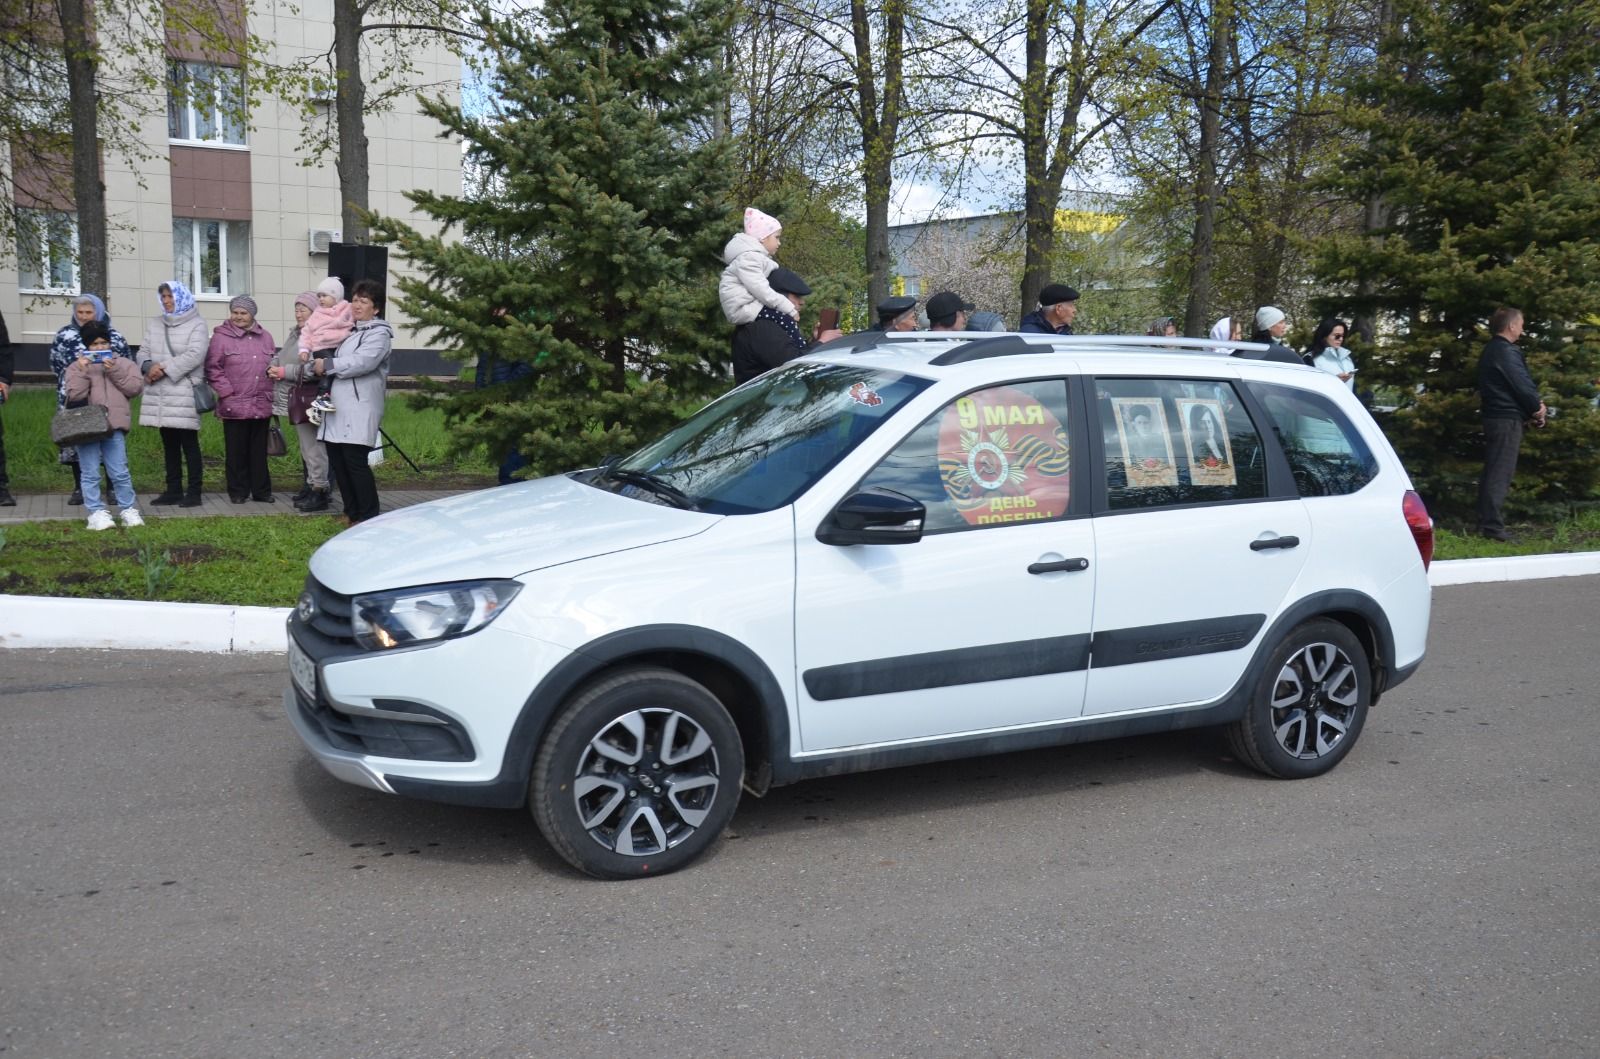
(1058, 306)
(1509, 397)
(773, 338)
(7, 364)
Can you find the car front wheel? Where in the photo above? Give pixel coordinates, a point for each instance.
(638, 775)
(1309, 705)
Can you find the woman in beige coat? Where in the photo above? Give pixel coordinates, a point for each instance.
(173, 360)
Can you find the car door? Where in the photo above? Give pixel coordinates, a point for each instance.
(1195, 553)
(983, 623)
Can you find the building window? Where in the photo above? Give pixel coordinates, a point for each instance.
(205, 103)
(47, 250)
(212, 257)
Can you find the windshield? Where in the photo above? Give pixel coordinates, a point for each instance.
(765, 443)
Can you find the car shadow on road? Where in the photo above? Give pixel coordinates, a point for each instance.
(1052, 772)
(381, 825)
(377, 825)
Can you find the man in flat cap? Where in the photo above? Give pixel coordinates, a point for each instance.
(948, 311)
(898, 313)
(1058, 304)
(773, 338)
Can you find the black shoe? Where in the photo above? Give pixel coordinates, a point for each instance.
(6, 499)
(171, 496)
(237, 499)
(1497, 535)
(76, 497)
(317, 501)
(190, 499)
(303, 494)
(268, 499)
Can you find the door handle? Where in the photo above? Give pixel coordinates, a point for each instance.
(1275, 542)
(1070, 565)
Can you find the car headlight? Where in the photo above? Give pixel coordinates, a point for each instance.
(407, 616)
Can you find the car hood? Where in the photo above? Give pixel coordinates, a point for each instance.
(500, 532)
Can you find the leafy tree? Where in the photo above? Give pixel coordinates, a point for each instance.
(1482, 137)
(602, 243)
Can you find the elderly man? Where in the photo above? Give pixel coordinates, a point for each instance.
(1510, 398)
(948, 311)
(773, 338)
(898, 313)
(1058, 305)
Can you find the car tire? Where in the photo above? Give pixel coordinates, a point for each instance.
(638, 775)
(1309, 704)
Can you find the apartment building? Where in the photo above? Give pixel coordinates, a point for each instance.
(227, 206)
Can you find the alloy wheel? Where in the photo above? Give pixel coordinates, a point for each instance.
(1314, 700)
(646, 781)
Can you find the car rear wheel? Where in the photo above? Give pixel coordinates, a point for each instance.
(638, 775)
(1309, 705)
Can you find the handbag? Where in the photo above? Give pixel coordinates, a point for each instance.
(80, 425)
(301, 394)
(276, 446)
(205, 398)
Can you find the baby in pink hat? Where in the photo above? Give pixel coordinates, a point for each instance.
(744, 289)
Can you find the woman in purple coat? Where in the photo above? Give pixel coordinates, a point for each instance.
(236, 367)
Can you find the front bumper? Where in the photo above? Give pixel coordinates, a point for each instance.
(438, 716)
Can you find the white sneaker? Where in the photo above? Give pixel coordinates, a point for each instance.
(131, 517)
(100, 520)
(319, 408)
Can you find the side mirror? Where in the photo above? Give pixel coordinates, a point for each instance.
(874, 516)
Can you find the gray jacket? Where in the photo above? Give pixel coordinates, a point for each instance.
(178, 344)
(288, 359)
(360, 368)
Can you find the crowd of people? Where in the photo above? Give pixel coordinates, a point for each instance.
(330, 374)
(762, 300)
(328, 379)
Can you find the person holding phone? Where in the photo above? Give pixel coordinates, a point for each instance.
(773, 338)
(1328, 353)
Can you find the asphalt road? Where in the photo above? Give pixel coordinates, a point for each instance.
(179, 879)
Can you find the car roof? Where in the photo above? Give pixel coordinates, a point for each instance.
(937, 354)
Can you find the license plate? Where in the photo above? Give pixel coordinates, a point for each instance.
(303, 671)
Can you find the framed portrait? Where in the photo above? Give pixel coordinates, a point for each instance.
(1205, 441)
(1146, 442)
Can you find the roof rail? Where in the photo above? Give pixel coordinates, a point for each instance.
(859, 340)
(1012, 344)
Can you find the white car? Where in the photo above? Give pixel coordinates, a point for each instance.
(902, 548)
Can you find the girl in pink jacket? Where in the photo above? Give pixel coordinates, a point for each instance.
(330, 322)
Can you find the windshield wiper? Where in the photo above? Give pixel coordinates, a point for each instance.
(650, 482)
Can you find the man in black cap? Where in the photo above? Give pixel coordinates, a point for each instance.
(898, 313)
(773, 338)
(948, 311)
(1058, 304)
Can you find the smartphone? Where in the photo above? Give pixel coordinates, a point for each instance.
(828, 319)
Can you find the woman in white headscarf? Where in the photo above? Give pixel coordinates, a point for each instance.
(173, 360)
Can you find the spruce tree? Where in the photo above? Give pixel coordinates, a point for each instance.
(1480, 127)
(592, 253)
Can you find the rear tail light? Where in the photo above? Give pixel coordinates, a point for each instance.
(1416, 513)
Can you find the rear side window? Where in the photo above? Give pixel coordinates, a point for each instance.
(1326, 453)
(1177, 441)
(990, 458)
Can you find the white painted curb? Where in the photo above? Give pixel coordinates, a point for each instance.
(48, 621)
(1514, 568)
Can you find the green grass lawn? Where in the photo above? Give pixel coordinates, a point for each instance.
(31, 458)
(1580, 533)
(249, 560)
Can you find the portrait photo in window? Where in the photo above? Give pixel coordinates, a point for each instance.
(1205, 442)
(1146, 442)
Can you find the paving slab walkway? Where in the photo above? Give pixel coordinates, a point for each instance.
(39, 507)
